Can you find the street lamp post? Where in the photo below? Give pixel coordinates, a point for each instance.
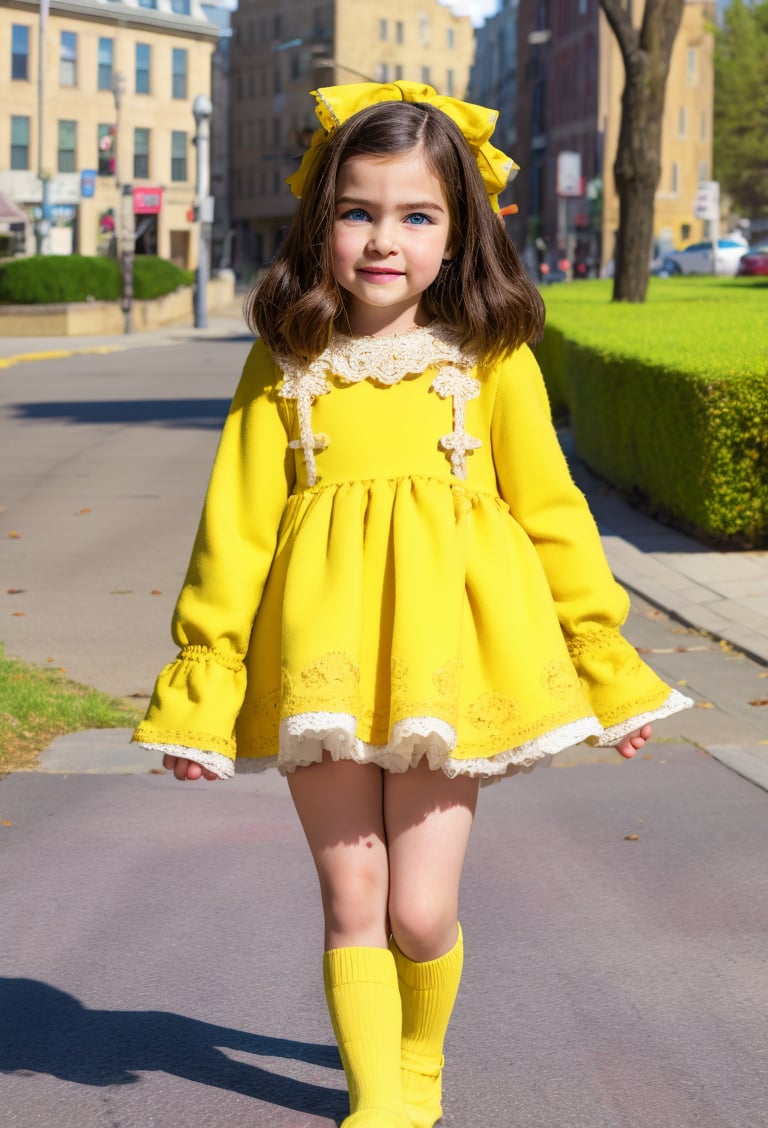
(202, 109)
(125, 238)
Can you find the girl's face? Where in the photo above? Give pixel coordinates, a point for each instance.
(391, 233)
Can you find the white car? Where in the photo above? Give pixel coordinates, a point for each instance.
(697, 258)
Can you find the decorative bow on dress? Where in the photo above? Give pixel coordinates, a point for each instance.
(336, 104)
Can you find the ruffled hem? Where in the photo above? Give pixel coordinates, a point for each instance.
(675, 703)
(304, 738)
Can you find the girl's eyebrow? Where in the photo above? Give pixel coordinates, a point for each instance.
(421, 205)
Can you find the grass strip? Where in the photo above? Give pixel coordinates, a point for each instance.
(37, 705)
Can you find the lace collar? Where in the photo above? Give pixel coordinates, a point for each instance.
(385, 360)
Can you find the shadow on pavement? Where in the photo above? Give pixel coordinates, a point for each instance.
(45, 1030)
(205, 414)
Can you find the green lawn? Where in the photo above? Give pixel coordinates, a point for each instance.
(708, 325)
(37, 705)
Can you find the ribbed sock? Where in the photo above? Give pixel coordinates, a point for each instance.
(364, 1004)
(427, 991)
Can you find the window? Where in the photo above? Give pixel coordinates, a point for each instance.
(178, 155)
(141, 154)
(143, 54)
(106, 135)
(68, 59)
(19, 142)
(425, 75)
(383, 72)
(449, 83)
(398, 72)
(67, 146)
(675, 178)
(382, 29)
(179, 72)
(148, 4)
(681, 123)
(400, 32)
(106, 49)
(424, 31)
(692, 66)
(19, 51)
(181, 7)
(450, 39)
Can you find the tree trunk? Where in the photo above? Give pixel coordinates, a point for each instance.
(637, 167)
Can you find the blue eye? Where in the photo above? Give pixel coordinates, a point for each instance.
(357, 215)
(418, 219)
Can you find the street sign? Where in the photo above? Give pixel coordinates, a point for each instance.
(569, 174)
(707, 202)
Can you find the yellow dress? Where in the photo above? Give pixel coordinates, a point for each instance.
(393, 561)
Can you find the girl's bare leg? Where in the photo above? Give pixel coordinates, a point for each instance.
(428, 819)
(340, 809)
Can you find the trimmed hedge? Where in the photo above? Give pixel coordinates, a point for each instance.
(43, 279)
(669, 400)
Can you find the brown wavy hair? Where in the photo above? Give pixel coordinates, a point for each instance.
(482, 293)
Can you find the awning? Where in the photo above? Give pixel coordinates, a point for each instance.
(10, 212)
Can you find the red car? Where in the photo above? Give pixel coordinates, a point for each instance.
(755, 261)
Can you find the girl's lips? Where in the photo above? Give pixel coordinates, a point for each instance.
(376, 274)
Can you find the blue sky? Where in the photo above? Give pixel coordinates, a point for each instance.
(479, 10)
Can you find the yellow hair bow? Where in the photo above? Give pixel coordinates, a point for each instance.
(336, 104)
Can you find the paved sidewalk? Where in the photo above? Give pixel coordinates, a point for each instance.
(226, 321)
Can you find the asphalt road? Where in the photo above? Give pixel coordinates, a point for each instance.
(160, 943)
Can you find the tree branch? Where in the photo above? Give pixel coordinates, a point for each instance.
(621, 25)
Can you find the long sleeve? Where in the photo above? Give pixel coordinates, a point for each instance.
(198, 696)
(535, 481)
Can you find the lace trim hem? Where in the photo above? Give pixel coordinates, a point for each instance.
(675, 703)
(304, 738)
(215, 762)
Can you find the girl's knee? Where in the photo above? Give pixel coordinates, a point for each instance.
(423, 928)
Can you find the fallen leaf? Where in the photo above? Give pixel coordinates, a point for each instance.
(14, 535)
(683, 681)
(15, 591)
(5, 822)
(704, 705)
(631, 837)
(763, 675)
(155, 592)
(648, 756)
(18, 614)
(81, 511)
(50, 659)
(759, 701)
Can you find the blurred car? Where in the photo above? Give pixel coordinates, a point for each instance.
(755, 261)
(697, 258)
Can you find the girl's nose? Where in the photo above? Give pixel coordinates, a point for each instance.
(382, 240)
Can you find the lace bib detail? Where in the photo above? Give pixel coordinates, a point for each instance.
(386, 361)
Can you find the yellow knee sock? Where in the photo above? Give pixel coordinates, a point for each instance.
(427, 991)
(364, 1004)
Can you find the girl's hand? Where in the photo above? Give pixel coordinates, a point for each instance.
(634, 742)
(186, 769)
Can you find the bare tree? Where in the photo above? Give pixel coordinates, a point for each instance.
(646, 53)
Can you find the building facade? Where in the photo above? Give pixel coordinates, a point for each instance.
(279, 56)
(569, 78)
(108, 133)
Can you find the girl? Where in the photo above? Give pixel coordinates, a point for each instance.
(396, 588)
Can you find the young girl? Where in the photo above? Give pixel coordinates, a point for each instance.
(396, 587)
